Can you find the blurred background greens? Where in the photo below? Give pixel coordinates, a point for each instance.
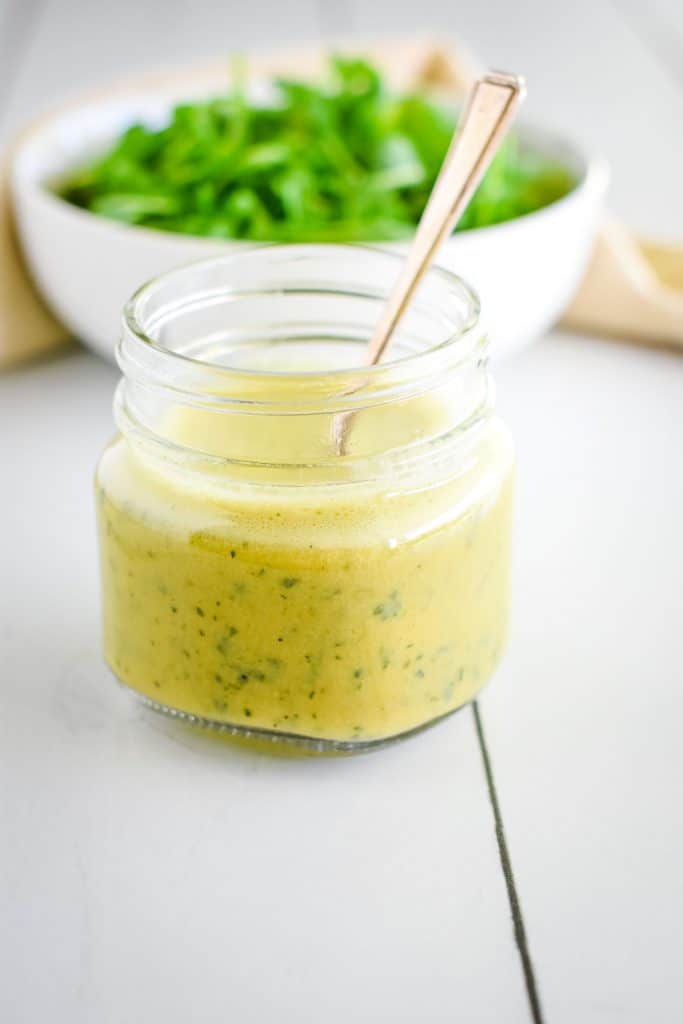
(339, 160)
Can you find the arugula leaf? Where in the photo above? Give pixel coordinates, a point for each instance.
(340, 161)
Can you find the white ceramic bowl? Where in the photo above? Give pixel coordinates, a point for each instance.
(525, 270)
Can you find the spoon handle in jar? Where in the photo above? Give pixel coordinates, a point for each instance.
(490, 108)
(489, 111)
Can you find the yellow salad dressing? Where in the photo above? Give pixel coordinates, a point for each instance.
(350, 611)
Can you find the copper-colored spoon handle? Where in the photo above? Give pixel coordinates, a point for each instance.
(490, 108)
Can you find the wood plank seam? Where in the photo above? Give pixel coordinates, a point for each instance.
(519, 928)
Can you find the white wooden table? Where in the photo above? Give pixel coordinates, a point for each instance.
(147, 874)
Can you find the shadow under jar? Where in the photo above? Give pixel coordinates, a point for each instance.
(258, 581)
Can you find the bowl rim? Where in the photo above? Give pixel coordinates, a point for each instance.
(592, 173)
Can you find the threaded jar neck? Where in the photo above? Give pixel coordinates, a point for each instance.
(269, 342)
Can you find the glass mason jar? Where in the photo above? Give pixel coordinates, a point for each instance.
(257, 578)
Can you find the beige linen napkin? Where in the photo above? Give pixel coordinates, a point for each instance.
(26, 325)
(632, 290)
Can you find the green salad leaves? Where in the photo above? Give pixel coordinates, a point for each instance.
(346, 161)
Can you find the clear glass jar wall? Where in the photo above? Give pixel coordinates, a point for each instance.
(254, 578)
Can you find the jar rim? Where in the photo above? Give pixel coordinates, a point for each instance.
(449, 351)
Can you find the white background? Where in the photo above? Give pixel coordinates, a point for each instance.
(149, 875)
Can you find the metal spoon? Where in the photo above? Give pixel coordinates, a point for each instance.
(489, 110)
